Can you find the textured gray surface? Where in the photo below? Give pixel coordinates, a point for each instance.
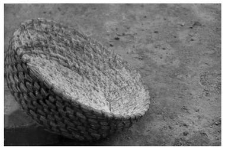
(177, 50)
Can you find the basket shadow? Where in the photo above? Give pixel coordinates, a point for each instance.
(21, 131)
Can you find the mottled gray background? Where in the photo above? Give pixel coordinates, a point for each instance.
(177, 50)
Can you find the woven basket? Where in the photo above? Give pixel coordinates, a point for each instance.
(71, 84)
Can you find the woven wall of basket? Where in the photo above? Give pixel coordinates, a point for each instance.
(71, 84)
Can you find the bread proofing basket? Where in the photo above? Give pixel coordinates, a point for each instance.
(71, 84)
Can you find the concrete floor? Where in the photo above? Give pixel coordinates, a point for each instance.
(177, 50)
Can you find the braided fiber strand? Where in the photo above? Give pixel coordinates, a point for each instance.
(71, 84)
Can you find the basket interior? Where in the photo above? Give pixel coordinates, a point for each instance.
(81, 69)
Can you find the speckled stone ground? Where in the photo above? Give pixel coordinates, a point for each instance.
(177, 50)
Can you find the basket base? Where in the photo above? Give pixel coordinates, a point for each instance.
(20, 129)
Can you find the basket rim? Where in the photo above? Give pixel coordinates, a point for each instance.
(73, 101)
(68, 98)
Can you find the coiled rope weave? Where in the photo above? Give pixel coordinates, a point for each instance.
(71, 84)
